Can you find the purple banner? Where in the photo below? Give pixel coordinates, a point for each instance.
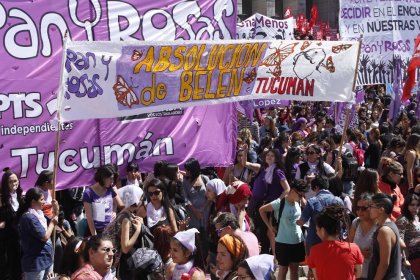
(32, 32)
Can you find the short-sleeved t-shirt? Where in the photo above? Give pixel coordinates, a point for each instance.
(37, 255)
(268, 192)
(101, 206)
(335, 260)
(289, 232)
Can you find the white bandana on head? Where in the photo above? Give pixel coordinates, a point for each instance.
(261, 266)
(154, 216)
(187, 238)
(217, 186)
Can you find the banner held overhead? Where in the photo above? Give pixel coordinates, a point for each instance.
(116, 79)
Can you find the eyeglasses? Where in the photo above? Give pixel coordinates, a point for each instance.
(414, 204)
(374, 206)
(310, 153)
(397, 173)
(156, 193)
(299, 193)
(362, 208)
(108, 250)
(219, 231)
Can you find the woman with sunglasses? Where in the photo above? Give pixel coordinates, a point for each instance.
(409, 226)
(231, 250)
(100, 201)
(289, 246)
(362, 230)
(386, 252)
(159, 211)
(392, 173)
(98, 256)
(314, 165)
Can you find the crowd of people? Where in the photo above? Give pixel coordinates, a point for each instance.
(299, 192)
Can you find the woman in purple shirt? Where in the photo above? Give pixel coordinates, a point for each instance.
(100, 201)
(270, 183)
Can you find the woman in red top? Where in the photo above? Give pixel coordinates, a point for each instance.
(392, 173)
(334, 258)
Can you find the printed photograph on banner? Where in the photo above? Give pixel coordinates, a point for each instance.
(262, 27)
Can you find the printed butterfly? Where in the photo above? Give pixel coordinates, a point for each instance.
(250, 76)
(124, 93)
(276, 58)
(330, 65)
(137, 55)
(305, 45)
(340, 48)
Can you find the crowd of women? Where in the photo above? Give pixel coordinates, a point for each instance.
(298, 192)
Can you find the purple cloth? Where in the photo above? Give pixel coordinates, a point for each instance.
(268, 192)
(91, 197)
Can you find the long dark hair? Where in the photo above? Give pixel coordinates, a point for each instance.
(407, 201)
(94, 243)
(385, 201)
(277, 158)
(367, 182)
(193, 166)
(5, 192)
(44, 177)
(320, 165)
(162, 186)
(32, 194)
(291, 156)
(71, 256)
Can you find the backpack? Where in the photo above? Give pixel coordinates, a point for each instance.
(358, 153)
(275, 221)
(350, 167)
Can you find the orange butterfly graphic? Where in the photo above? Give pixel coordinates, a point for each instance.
(124, 93)
(137, 55)
(330, 65)
(340, 48)
(250, 76)
(305, 45)
(276, 58)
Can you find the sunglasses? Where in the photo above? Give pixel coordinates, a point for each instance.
(362, 208)
(108, 250)
(414, 204)
(219, 231)
(311, 153)
(156, 193)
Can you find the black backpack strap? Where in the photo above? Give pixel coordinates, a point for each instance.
(304, 168)
(282, 202)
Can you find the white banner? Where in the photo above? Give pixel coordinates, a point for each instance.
(261, 27)
(115, 79)
(389, 29)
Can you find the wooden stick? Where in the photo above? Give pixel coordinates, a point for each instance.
(343, 137)
(357, 62)
(57, 135)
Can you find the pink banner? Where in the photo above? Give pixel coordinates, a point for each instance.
(31, 52)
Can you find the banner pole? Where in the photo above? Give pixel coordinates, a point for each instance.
(57, 135)
(343, 137)
(357, 62)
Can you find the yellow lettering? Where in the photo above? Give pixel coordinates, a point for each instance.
(198, 91)
(221, 88)
(191, 55)
(214, 56)
(199, 56)
(147, 62)
(257, 52)
(186, 88)
(223, 65)
(179, 54)
(163, 62)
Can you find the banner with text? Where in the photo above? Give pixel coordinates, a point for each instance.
(261, 27)
(389, 29)
(31, 34)
(122, 79)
